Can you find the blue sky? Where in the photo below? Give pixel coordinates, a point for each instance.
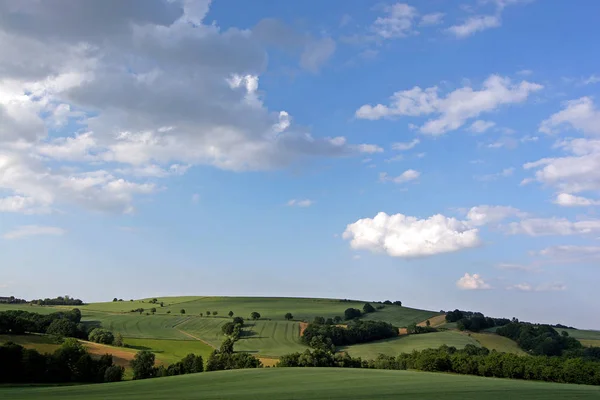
(441, 153)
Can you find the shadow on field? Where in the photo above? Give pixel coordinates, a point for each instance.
(136, 347)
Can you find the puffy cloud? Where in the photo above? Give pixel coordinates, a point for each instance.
(453, 110)
(485, 214)
(397, 22)
(553, 226)
(472, 282)
(481, 126)
(33, 230)
(406, 145)
(474, 24)
(569, 200)
(403, 236)
(406, 176)
(141, 89)
(580, 114)
(432, 19)
(300, 203)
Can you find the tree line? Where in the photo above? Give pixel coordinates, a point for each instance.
(61, 323)
(58, 301)
(70, 363)
(357, 331)
(474, 321)
(471, 360)
(539, 339)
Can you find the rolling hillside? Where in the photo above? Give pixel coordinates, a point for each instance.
(311, 383)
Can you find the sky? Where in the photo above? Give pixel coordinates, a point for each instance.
(445, 154)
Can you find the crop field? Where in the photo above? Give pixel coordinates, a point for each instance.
(400, 316)
(170, 351)
(267, 338)
(30, 308)
(581, 333)
(135, 325)
(498, 343)
(311, 383)
(406, 344)
(41, 343)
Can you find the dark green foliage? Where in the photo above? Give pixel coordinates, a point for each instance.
(474, 321)
(319, 320)
(153, 310)
(397, 303)
(58, 301)
(114, 373)
(103, 336)
(230, 313)
(18, 322)
(368, 308)
(215, 312)
(289, 316)
(255, 315)
(70, 363)
(143, 365)
(538, 339)
(12, 300)
(218, 361)
(351, 313)
(414, 329)
(62, 327)
(337, 319)
(387, 302)
(227, 346)
(118, 340)
(182, 311)
(356, 332)
(471, 360)
(238, 320)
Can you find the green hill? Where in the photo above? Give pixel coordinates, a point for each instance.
(311, 383)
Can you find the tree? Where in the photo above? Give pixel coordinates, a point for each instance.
(215, 313)
(182, 311)
(192, 364)
(337, 319)
(153, 310)
(118, 340)
(351, 313)
(114, 373)
(368, 308)
(238, 320)
(319, 320)
(62, 327)
(398, 303)
(227, 346)
(255, 315)
(208, 313)
(143, 365)
(169, 312)
(230, 313)
(115, 299)
(289, 316)
(102, 336)
(162, 304)
(141, 310)
(202, 315)
(428, 323)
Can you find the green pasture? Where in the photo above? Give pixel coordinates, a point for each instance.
(408, 343)
(581, 333)
(400, 317)
(41, 343)
(311, 383)
(30, 308)
(498, 343)
(170, 351)
(134, 325)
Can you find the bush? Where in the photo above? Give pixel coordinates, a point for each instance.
(102, 336)
(62, 327)
(114, 373)
(351, 313)
(143, 365)
(368, 308)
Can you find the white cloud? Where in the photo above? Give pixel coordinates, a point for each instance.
(593, 79)
(21, 204)
(485, 214)
(569, 200)
(472, 282)
(544, 287)
(399, 235)
(553, 226)
(406, 176)
(33, 230)
(397, 23)
(528, 138)
(518, 267)
(432, 19)
(481, 126)
(475, 24)
(405, 145)
(580, 114)
(453, 110)
(300, 203)
(368, 148)
(571, 252)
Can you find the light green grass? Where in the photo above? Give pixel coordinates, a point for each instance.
(134, 325)
(408, 343)
(581, 333)
(30, 308)
(41, 343)
(170, 351)
(400, 316)
(498, 343)
(590, 342)
(311, 383)
(264, 338)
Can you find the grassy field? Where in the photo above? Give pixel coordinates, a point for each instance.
(311, 383)
(581, 333)
(267, 338)
(41, 343)
(29, 307)
(498, 343)
(406, 344)
(169, 351)
(135, 325)
(400, 316)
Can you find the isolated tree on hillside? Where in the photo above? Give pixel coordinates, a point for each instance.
(182, 311)
(143, 365)
(115, 299)
(398, 303)
(368, 308)
(153, 310)
(255, 315)
(238, 320)
(141, 310)
(351, 313)
(118, 340)
(428, 323)
(337, 319)
(215, 313)
(208, 313)
(230, 313)
(202, 315)
(289, 316)
(162, 304)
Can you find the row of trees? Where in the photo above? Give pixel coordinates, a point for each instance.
(67, 324)
(104, 336)
(58, 301)
(471, 360)
(70, 363)
(539, 339)
(474, 321)
(356, 332)
(12, 300)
